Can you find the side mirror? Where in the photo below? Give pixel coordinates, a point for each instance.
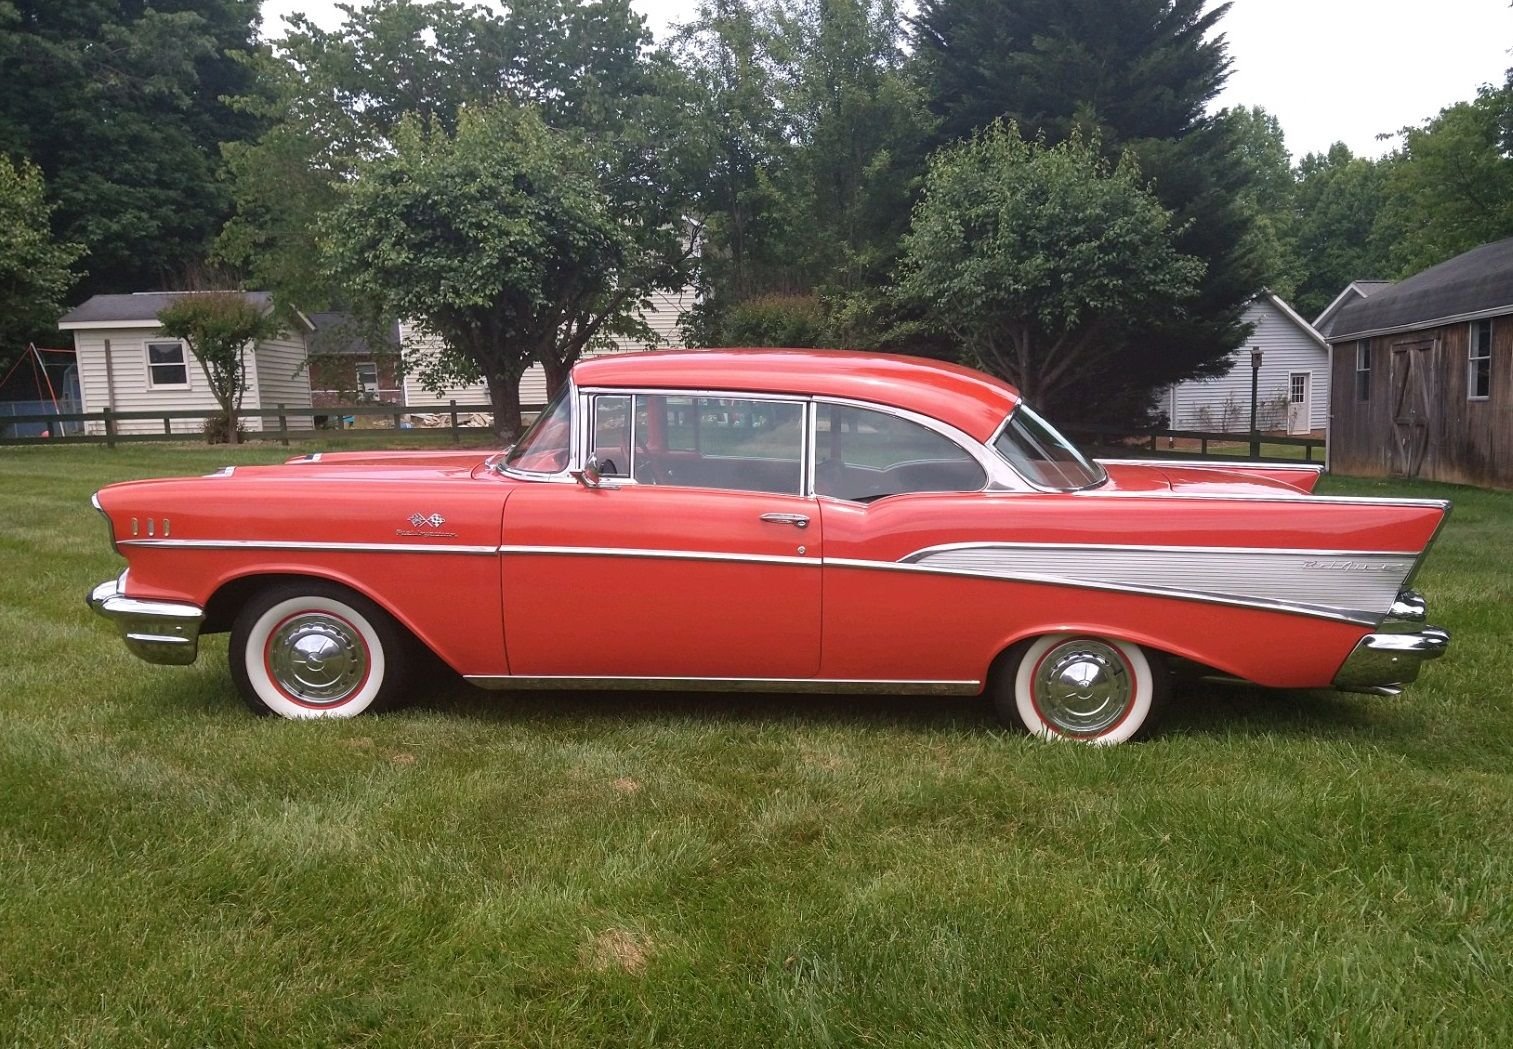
(589, 476)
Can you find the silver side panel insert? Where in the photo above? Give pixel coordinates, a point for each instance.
(834, 686)
(1350, 583)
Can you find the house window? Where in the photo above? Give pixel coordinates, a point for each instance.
(1479, 364)
(367, 378)
(1363, 370)
(166, 365)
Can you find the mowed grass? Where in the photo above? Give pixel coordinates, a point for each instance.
(575, 870)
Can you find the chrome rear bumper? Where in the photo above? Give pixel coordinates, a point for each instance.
(158, 631)
(1390, 658)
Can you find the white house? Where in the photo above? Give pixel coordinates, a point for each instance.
(1292, 386)
(127, 364)
(663, 316)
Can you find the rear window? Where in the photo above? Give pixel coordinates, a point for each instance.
(1044, 457)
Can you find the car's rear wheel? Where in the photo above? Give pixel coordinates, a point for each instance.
(1081, 687)
(314, 650)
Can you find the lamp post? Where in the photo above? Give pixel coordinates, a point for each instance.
(1255, 390)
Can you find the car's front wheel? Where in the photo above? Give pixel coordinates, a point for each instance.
(314, 650)
(1078, 687)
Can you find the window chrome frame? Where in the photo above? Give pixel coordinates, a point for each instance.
(992, 446)
(574, 447)
(998, 475)
(584, 429)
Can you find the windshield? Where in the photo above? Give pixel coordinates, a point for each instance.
(547, 445)
(1044, 457)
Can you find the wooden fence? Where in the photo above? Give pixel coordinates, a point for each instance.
(276, 424)
(276, 427)
(1148, 441)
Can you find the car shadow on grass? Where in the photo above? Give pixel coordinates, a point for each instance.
(1196, 709)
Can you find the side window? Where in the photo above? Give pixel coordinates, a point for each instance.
(166, 365)
(860, 454)
(732, 443)
(612, 443)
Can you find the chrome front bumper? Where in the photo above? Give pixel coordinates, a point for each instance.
(158, 631)
(1385, 661)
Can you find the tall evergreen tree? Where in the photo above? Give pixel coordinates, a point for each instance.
(119, 102)
(1135, 75)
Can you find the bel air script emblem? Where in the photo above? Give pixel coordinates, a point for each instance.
(1346, 566)
(426, 525)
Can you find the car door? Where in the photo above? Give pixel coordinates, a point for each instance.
(697, 556)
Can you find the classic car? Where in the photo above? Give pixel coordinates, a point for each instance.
(795, 521)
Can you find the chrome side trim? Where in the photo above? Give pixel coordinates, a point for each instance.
(165, 632)
(282, 544)
(833, 686)
(1268, 497)
(1154, 548)
(1362, 617)
(671, 555)
(110, 528)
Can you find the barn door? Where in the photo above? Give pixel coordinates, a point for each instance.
(1413, 401)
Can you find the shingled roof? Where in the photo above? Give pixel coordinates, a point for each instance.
(137, 309)
(1476, 284)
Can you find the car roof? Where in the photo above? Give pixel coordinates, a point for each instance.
(969, 400)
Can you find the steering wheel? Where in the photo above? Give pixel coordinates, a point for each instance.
(649, 470)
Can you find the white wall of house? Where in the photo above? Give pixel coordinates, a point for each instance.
(278, 372)
(128, 384)
(663, 316)
(1289, 348)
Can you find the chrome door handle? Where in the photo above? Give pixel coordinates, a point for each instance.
(797, 520)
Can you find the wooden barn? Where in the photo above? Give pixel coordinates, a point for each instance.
(1423, 375)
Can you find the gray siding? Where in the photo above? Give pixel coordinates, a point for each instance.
(663, 317)
(1224, 403)
(269, 378)
(280, 374)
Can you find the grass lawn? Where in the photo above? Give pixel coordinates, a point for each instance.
(571, 870)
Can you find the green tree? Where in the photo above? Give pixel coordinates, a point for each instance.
(496, 238)
(737, 150)
(1139, 75)
(119, 103)
(1337, 202)
(220, 327)
(1045, 262)
(337, 103)
(1450, 186)
(35, 270)
(1268, 195)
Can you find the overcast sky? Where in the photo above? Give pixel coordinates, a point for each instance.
(1330, 70)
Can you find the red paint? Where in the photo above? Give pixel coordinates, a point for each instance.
(537, 613)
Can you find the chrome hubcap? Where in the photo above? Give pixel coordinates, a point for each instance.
(1083, 687)
(317, 658)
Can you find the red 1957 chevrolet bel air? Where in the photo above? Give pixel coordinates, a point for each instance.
(775, 520)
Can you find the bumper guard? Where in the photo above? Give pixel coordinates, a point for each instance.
(1385, 661)
(164, 632)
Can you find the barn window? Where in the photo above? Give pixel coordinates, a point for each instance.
(1479, 370)
(1363, 370)
(166, 365)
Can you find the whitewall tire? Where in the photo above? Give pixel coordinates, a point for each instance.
(1081, 687)
(314, 650)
